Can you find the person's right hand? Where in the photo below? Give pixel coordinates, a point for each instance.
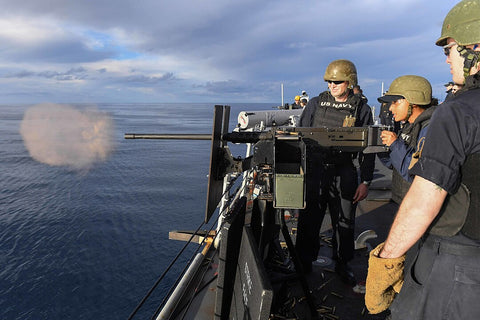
(384, 280)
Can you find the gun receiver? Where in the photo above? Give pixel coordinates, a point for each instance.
(281, 148)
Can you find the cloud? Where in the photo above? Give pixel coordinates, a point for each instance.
(78, 73)
(215, 44)
(40, 40)
(140, 78)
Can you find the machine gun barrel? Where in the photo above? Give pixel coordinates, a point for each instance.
(235, 137)
(189, 136)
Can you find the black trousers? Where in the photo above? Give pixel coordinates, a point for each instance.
(332, 187)
(441, 282)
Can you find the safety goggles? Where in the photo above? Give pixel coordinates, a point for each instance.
(398, 101)
(446, 49)
(335, 82)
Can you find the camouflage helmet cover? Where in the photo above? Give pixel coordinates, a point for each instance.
(341, 70)
(462, 23)
(417, 90)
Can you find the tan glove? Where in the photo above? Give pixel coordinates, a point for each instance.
(384, 280)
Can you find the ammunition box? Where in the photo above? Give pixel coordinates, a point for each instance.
(289, 190)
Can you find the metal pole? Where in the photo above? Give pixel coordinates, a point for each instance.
(282, 93)
(180, 289)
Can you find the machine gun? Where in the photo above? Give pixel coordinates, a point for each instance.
(251, 219)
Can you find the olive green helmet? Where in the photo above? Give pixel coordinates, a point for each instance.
(417, 90)
(341, 70)
(462, 23)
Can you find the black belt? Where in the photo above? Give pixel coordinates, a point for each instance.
(458, 249)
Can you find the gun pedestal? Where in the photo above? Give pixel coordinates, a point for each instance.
(267, 223)
(297, 263)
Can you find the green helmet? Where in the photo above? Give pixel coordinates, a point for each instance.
(462, 23)
(417, 90)
(341, 70)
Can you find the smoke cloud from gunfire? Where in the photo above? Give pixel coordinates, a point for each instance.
(61, 135)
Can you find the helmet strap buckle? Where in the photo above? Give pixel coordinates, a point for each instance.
(470, 57)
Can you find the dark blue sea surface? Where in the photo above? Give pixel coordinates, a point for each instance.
(89, 244)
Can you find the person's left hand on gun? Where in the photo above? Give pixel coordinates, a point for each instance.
(388, 137)
(384, 280)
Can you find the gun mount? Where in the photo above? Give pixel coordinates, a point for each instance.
(251, 219)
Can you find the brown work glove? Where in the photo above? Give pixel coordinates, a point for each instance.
(384, 280)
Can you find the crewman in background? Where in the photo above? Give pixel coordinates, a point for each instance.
(296, 103)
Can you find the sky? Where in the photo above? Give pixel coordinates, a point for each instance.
(214, 51)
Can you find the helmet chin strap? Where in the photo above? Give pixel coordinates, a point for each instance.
(409, 112)
(471, 58)
(345, 93)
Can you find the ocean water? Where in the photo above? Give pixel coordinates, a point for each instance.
(89, 244)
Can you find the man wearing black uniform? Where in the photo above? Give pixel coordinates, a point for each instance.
(332, 178)
(441, 211)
